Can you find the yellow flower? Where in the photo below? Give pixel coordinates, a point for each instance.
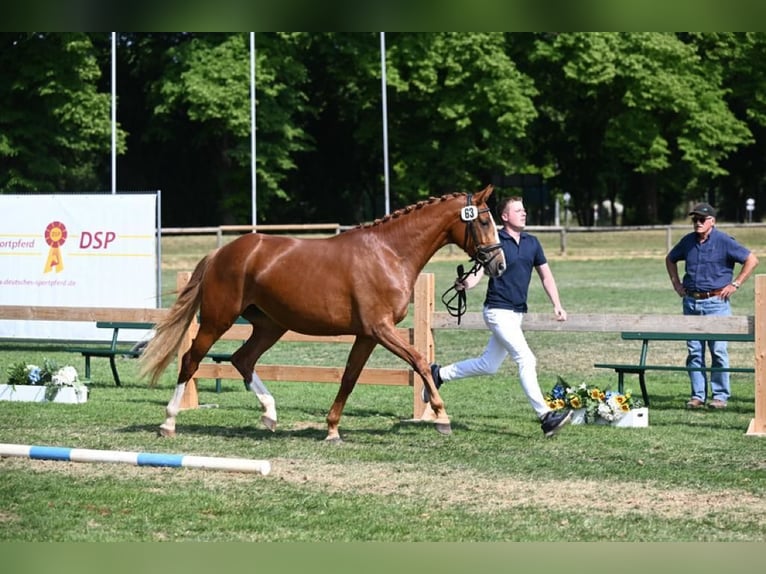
(595, 394)
(575, 402)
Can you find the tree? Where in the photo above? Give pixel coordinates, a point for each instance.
(740, 58)
(200, 105)
(636, 117)
(55, 125)
(460, 109)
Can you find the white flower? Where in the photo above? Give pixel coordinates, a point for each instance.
(65, 376)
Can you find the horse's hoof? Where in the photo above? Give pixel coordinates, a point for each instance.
(333, 440)
(444, 428)
(269, 423)
(166, 432)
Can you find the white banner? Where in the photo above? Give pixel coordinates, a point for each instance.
(95, 250)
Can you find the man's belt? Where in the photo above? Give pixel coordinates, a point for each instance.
(704, 294)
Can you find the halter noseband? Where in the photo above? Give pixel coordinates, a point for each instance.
(484, 253)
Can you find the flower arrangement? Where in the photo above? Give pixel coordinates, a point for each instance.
(597, 403)
(49, 375)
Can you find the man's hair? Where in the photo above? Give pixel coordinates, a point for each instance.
(503, 203)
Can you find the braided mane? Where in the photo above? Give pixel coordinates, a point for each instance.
(409, 209)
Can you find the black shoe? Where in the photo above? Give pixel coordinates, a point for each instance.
(553, 421)
(425, 395)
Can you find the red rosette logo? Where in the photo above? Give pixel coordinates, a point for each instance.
(55, 237)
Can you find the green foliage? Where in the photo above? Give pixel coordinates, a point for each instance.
(652, 120)
(55, 123)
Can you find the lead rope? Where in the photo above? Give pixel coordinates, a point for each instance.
(458, 310)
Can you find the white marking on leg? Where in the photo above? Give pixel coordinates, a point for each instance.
(173, 408)
(268, 405)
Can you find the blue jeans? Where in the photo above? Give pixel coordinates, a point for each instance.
(719, 352)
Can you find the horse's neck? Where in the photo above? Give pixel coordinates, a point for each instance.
(416, 237)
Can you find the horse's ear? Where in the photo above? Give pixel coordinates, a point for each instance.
(484, 194)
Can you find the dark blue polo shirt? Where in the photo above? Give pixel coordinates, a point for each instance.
(509, 291)
(709, 265)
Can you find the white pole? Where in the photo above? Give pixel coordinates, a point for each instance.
(252, 130)
(114, 112)
(385, 116)
(67, 454)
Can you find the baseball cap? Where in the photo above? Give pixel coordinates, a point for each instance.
(704, 209)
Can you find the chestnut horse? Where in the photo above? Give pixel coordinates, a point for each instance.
(355, 283)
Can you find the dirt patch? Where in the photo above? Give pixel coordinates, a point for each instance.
(467, 489)
(481, 493)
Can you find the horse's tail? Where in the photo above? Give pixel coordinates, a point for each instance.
(161, 349)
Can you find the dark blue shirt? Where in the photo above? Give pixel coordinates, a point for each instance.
(509, 291)
(709, 265)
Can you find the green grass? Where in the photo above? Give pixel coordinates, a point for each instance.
(690, 476)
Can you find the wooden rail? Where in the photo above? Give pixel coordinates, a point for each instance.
(610, 323)
(426, 320)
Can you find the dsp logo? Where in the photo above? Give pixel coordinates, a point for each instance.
(96, 239)
(56, 235)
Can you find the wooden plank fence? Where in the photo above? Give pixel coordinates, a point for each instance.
(425, 320)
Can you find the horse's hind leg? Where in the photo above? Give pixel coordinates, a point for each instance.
(189, 364)
(265, 334)
(357, 358)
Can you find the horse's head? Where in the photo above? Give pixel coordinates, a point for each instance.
(480, 240)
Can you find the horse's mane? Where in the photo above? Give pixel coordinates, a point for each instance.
(409, 209)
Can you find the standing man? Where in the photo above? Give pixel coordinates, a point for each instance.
(504, 308)
(707, 285)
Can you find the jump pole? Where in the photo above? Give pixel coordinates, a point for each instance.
(135, 458)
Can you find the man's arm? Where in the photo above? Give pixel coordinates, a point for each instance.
(471, 280)
(672, 268)
(549, 285)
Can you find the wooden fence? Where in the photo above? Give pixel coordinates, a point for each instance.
(425, 320)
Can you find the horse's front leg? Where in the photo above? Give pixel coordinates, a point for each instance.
(357, 358)
(388, 337)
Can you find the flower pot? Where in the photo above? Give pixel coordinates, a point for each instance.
(37, 393)
(634, 418)
(578, 417)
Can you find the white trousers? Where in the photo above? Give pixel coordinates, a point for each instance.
(506, 338)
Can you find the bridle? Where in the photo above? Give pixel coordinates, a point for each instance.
(484, 254)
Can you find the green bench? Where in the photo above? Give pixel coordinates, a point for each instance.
(641, 367)
(114, 349)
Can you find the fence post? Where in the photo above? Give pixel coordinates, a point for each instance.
(423, 339)
(758, 424)
(563, 241)
(190, 400)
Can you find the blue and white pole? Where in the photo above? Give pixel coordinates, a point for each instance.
(135, 458)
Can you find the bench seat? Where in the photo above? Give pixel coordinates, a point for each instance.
(641, 367)
(115, 349)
